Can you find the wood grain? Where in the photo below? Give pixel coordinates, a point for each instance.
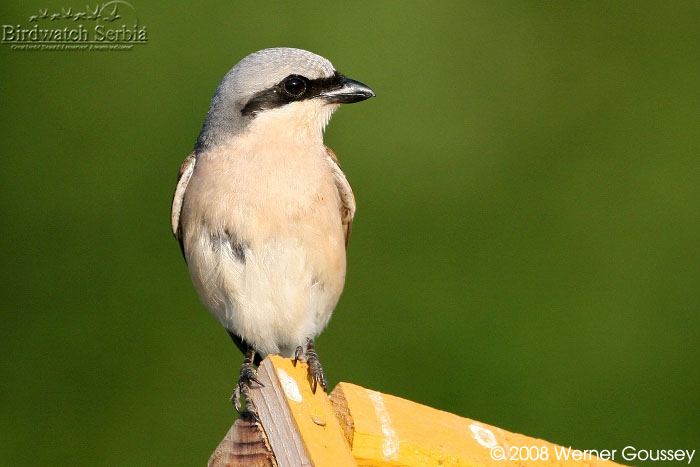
(245, 444)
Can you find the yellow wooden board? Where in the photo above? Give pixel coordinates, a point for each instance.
(386, 430)
(313, 416)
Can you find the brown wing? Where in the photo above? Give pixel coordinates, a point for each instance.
(183, 179)
(347, 198)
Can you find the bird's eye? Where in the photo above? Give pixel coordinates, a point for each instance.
(295, 87)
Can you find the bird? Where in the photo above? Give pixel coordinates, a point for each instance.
(263, 211)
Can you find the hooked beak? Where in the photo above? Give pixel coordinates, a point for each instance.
(350, 91)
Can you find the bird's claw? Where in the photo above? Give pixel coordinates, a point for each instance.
(315, 368)
(247, 377)
(317, 374)
(297, 354)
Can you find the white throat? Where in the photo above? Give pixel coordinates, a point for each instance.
(298, 122)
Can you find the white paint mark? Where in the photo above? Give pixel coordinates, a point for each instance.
(484, 436)
(390, 446)
(289, 386)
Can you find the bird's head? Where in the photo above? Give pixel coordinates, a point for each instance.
(282, 90)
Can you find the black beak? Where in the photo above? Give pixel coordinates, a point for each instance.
(350, 91)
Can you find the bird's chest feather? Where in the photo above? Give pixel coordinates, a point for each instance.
(281, 190)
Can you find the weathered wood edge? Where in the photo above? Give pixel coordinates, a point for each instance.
(245, 444)
(342, 413)
(276, 419)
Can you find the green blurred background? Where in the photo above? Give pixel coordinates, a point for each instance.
(525, 252)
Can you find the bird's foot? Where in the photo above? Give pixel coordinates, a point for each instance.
(315, 368)
(247, 377)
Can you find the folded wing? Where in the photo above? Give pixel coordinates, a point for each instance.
(347, 198)
(183, 179)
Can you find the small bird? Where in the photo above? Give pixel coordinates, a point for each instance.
(262, 209)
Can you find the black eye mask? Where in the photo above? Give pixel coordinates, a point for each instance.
(291, 89)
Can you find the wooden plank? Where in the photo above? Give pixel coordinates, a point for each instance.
(245, 445)
(275, 416)
(300, 425)
(385, 430)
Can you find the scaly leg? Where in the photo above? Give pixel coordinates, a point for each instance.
(247, 377)
(315, 368)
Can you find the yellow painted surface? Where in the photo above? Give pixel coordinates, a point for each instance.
(313, 416)
(390, 431)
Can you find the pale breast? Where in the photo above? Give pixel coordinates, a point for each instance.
(283, 193)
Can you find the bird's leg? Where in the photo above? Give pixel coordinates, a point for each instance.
(247, 377)
(315, 368)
